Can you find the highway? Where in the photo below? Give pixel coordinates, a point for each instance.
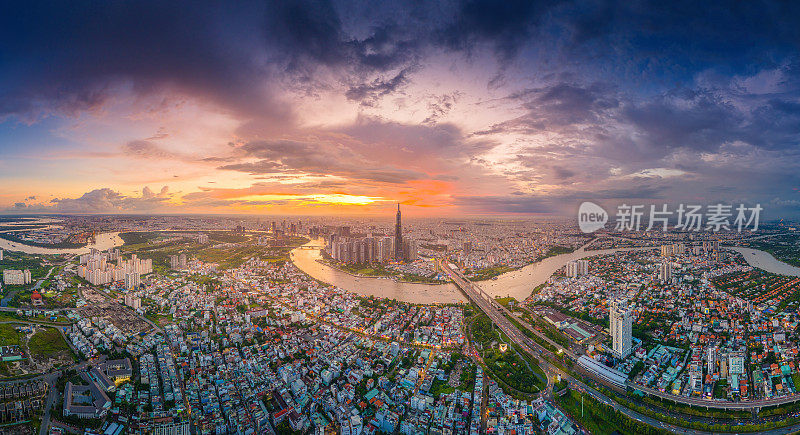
(716, 404)
(493, 311)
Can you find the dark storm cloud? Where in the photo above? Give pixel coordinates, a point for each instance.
(506, 204)
(68, 57)
(505, 25)
(72, 57)
(673, 40)
(556, 106)
(368, 93)
(561, 203)
(703, 120)
(602, 89)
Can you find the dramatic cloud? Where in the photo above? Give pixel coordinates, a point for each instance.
(103, 200)
(456, 106)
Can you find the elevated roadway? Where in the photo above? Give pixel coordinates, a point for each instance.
(495, 312)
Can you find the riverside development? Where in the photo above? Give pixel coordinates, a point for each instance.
(215, 326)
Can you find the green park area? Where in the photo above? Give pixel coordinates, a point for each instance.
(784, 247)
(512, 368)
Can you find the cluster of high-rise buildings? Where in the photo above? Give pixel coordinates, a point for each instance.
(710, 248)
(348, 248)
(577, 268)
(106, 267)
(177, 261)
(665, 272)
(363, 250)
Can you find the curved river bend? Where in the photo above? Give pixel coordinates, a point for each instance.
(519, 283)
(765, 261)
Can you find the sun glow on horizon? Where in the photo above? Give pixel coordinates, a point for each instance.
(323, 198)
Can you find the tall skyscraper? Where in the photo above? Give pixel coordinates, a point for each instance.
(621, 320)
(398, 237)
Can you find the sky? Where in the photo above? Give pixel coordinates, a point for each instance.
(449, 108)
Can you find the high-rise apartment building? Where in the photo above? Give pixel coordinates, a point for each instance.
(665, 272)
(621, 320)
(577, 268)
(16, 277)
(132, 280)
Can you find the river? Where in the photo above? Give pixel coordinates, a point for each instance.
(306, 260)
(519, 283)
(102, 242)
(765, 261)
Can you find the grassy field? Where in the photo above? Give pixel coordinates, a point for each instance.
(558, 250)
(9, 335)
(48, 343)
(159, 318)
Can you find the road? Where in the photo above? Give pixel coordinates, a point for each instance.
(716, 404)
(490, 308)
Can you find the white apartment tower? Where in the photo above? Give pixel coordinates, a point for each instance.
(577, 268)
(621, 319)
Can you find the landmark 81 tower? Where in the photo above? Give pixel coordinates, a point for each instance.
(398, 237)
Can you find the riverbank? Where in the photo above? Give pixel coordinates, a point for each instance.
(519, 283)
(102, 242)
(305, 258)
(765, 261)
(396, 278)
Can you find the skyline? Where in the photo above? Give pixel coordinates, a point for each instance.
(448, 108)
